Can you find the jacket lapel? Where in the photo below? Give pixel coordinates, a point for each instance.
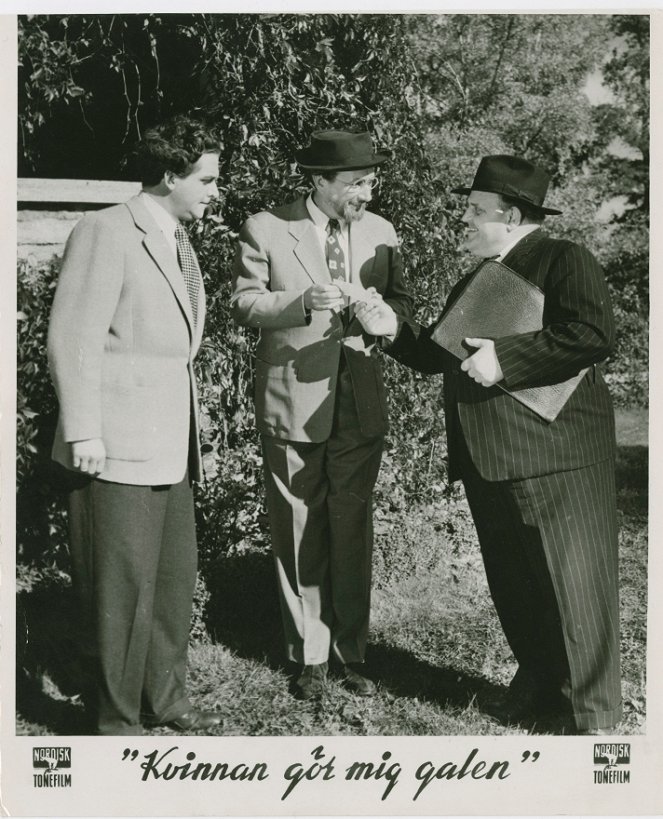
(521, 257)
(156, 246)
(307, 248)
(362, 250)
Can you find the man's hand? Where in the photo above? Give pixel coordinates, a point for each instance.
(483, 365)
(323, 297)
(89, 456)
(376, 317)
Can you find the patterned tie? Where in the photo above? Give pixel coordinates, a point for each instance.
(336, 259)
(189, 267)
(334, 251)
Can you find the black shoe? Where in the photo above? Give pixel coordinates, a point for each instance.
(194, 721)
(520, 705)
(310, 684)
(356, 681)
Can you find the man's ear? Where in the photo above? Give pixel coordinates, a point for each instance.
(514, 218)
(168, 180)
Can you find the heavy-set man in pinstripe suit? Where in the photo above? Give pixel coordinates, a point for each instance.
(541, 493)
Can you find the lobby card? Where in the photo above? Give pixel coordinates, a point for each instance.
(173, 775)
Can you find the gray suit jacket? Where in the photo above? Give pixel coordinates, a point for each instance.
(121, 345)
(297, 359)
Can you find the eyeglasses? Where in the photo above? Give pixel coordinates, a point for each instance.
(370, 183)
(475, 210)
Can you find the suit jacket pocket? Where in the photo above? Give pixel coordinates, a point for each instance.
(291, 404)
(127, 431)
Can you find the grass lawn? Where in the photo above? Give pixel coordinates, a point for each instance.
(435, 641)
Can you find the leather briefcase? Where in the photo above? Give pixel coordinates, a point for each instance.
(499, 302)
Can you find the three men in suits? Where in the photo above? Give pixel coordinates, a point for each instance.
(320, 402)
(541, 493)
(126, 323)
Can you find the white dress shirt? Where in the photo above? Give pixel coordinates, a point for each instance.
(165, 222)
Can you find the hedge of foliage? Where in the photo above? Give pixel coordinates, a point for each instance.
(266, 82)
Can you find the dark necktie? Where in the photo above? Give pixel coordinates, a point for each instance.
(189, 267)
(336, 259)
(334, 251)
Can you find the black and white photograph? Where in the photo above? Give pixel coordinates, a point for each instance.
(330, 440)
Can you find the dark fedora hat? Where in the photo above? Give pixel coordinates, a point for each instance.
(513, 177)
(339, 151)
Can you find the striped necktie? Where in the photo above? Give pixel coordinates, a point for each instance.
(189, 267)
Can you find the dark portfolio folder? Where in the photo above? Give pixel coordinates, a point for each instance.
(499, 302)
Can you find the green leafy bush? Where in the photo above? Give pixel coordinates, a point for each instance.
(40, 523)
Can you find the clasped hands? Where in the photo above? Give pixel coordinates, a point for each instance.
(376, 317)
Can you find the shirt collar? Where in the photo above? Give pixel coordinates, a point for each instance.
(164, 220)
(516, 235)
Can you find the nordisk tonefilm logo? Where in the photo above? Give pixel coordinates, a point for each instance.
(52, 761)
(610, 759)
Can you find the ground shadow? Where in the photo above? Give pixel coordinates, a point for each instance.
(48, 670)
(242, 612)
(403, 675)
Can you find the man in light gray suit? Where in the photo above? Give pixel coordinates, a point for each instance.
(320, 402)
(126, 323)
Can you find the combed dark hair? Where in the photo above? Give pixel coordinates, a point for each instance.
(530, 213)
(175, 145)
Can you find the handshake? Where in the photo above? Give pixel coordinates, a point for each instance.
(376, 317)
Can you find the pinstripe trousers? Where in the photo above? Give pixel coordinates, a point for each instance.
(549, 546)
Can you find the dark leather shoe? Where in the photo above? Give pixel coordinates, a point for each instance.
(195, 721)
(310, 684)
(520, 705)
(356, 682)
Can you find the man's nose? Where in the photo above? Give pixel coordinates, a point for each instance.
(365, 193)
(467, 216)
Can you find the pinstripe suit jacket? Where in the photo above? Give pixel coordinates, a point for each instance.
(505, 439)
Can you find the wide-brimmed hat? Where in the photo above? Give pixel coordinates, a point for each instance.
(513, 177)
(340, 151)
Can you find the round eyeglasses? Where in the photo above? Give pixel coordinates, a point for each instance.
(371, 183)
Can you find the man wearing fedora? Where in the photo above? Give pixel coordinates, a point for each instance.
(320, 402)
(541, 493)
